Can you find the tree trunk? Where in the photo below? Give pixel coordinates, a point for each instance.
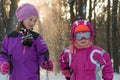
(94, 21)
(71, 12)
(118, 38)
(11, 24)
(90, 10)
(81, 9)
(108, 28)
(118, 26)
(3, 18)
(114, 36)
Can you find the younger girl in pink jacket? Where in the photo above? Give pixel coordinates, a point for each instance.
(82, 60)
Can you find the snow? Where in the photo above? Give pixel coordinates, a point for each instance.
(53, 76)
(116, 76)
(59, 76)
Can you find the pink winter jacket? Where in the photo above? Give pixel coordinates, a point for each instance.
(86, 63)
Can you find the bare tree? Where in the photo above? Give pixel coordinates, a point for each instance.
(114, 36)
(81, 9)
(3, 18)
(11, 23)
(119, 31)
(94, 21)
(90, 10)
(108, 27)
(71, 2)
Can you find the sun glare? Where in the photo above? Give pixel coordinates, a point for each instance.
(25, 1)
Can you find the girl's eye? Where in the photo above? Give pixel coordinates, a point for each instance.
(34, 20)
(30, 19)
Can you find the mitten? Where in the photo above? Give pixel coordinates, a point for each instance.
(66, 73)
(47, 65)
(5, 67)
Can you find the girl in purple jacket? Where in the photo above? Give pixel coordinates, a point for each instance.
(82, 60)
(24, 50)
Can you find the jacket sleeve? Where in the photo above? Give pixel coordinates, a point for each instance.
(42, 50)
(4, 50)
(64, 61)
(107, 70)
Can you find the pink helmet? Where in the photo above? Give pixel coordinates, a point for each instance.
(81, 22)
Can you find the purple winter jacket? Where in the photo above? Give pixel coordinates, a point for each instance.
(86, 63)
(24, 66)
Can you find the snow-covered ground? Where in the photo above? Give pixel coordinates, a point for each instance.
(59, 76)
(53, 76)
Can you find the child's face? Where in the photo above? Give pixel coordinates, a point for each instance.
(83, 42)
(82, 38)
(30, 22)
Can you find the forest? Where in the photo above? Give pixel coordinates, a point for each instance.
(56, 17)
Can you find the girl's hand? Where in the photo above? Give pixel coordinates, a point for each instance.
(5, 67)
(66, 73)
(47, 65)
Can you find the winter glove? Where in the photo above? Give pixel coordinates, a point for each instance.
(66, 73)
(47, 65)
(5, 67)
(99, 58)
